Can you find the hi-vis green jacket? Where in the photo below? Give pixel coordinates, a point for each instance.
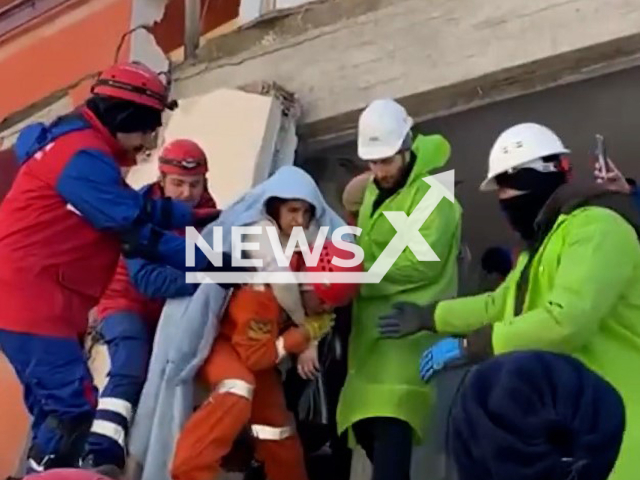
(383, 378)
(579, 294)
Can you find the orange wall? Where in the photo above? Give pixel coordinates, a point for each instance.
(79, 38)
(62, 48)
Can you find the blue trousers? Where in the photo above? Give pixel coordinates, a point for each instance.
(128, 342)
(58, 393)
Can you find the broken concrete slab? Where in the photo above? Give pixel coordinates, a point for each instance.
(244, 136)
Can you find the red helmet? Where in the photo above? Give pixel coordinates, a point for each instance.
(67, 474)
(134, 82)
(335, 294)
(183, 157)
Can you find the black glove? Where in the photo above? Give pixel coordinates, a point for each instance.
(406, 319)
(204, 216)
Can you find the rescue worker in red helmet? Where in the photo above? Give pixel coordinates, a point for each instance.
(130, 308)
(63, 225)
(242, 373)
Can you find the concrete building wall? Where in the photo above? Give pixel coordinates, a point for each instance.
(437, 56)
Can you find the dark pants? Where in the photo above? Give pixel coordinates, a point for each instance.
(316, 433)
(59, 395)
(431, 459)
(335, 374)
(128, 342)
(388, 443)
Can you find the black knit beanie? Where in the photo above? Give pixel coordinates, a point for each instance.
(535, 416)
(123, 116)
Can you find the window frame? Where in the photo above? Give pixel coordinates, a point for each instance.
(21, 12)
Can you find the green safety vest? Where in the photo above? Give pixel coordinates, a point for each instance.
(383, 378)
(582, 299)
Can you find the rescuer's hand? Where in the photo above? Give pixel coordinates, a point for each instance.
(406, 319)
(318, 326)
(612, 179)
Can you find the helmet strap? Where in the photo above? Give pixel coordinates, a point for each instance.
(109, 82)
(407, 143)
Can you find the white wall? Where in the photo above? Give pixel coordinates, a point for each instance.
(143, 46)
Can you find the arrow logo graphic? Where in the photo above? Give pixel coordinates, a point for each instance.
(408, 228)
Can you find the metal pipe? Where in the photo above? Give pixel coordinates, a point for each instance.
(191, 28)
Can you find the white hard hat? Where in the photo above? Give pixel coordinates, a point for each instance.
(520, 146)
(382, 128)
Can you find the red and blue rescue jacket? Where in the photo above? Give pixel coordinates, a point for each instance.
(142, 286)
(63, 221)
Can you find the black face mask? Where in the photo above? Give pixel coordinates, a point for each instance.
(522, 211)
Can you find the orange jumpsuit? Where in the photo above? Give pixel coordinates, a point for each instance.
(241, 371)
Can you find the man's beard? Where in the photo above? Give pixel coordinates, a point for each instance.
(389, 182)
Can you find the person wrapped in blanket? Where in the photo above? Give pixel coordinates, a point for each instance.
(262, 324)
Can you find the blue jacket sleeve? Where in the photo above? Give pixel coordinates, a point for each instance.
(151, 243)
(158, 281)
(92, 184)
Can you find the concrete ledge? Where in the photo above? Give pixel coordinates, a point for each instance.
(438, 56)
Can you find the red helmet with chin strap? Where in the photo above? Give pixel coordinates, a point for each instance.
(183, 157)
(135, 82)
(335, 294)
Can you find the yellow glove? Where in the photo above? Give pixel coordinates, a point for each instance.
(319, 325)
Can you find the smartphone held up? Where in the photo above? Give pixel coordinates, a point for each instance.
(601, 153)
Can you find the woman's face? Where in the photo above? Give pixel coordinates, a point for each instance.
(293, 213)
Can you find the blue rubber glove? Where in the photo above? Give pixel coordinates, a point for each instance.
(442, 354)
